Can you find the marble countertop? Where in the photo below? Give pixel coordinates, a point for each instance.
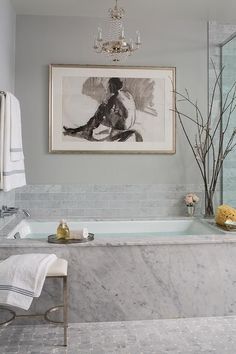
(225, 237)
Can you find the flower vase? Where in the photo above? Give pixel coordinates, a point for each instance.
(210, 204)
(209, 208)
(190, 210)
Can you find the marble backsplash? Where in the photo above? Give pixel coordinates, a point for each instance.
(6, 198)
(106, 201)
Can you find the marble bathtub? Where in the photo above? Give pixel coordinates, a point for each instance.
(161, 277)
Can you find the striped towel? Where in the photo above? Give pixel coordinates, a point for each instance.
(12, 157)
(22, 278)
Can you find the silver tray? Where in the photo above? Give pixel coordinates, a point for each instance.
(53, 239)
(225, 227)
(230, 227)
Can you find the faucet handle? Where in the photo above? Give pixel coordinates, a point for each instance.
(4, 207)
(26, 213)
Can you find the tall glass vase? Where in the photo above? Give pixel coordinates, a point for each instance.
(209, 204)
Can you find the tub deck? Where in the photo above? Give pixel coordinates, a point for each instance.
(140, 232)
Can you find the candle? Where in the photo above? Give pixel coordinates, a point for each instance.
(95, 46)
(131, 44)
(99, 37)
(122, 32)
(138, 38)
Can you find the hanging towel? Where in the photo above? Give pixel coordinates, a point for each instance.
(12, 169)
(16, 149)
(22, 278)
(2, 114)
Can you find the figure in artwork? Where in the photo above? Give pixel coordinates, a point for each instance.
(114, 117)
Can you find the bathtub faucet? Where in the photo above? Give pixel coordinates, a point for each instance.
(7, 211)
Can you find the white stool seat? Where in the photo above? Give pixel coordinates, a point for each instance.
(58, 268)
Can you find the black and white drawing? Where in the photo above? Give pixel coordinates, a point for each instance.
(123, 113)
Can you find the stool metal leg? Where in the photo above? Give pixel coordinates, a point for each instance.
(64, 322)
(48, 312)
(10, 320)
(65, 309)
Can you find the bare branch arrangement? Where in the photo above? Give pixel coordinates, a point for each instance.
(214, 139)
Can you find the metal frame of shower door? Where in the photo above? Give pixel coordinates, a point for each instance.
(45, 315)
(221, 126)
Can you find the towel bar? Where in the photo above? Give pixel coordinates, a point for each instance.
(57, 270)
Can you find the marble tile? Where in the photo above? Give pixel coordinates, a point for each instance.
(106, 201)
(176, 336)
(132, 282)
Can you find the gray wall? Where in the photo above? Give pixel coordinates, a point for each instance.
(7, 46)
(41, 40)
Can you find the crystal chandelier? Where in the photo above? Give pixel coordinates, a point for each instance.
(115, 45)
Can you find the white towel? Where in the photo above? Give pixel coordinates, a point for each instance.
(22, 278)
(79, 234)
(13, 170)
(2, 115)
(16, 149)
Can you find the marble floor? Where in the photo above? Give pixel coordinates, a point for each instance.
(185, 336)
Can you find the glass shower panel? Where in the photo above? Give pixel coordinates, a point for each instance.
(228, 58)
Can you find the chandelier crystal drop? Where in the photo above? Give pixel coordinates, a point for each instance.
(115, 45)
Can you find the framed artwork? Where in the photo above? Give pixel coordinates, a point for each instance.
(105, 109)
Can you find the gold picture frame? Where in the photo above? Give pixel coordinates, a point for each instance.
(110, 109)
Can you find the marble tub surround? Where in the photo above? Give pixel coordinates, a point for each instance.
(8, 224)
(140, 282)
(106, 201)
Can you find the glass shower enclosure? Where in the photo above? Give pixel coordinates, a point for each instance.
(228, 64)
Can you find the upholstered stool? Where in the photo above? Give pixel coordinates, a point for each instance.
(57, 270)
